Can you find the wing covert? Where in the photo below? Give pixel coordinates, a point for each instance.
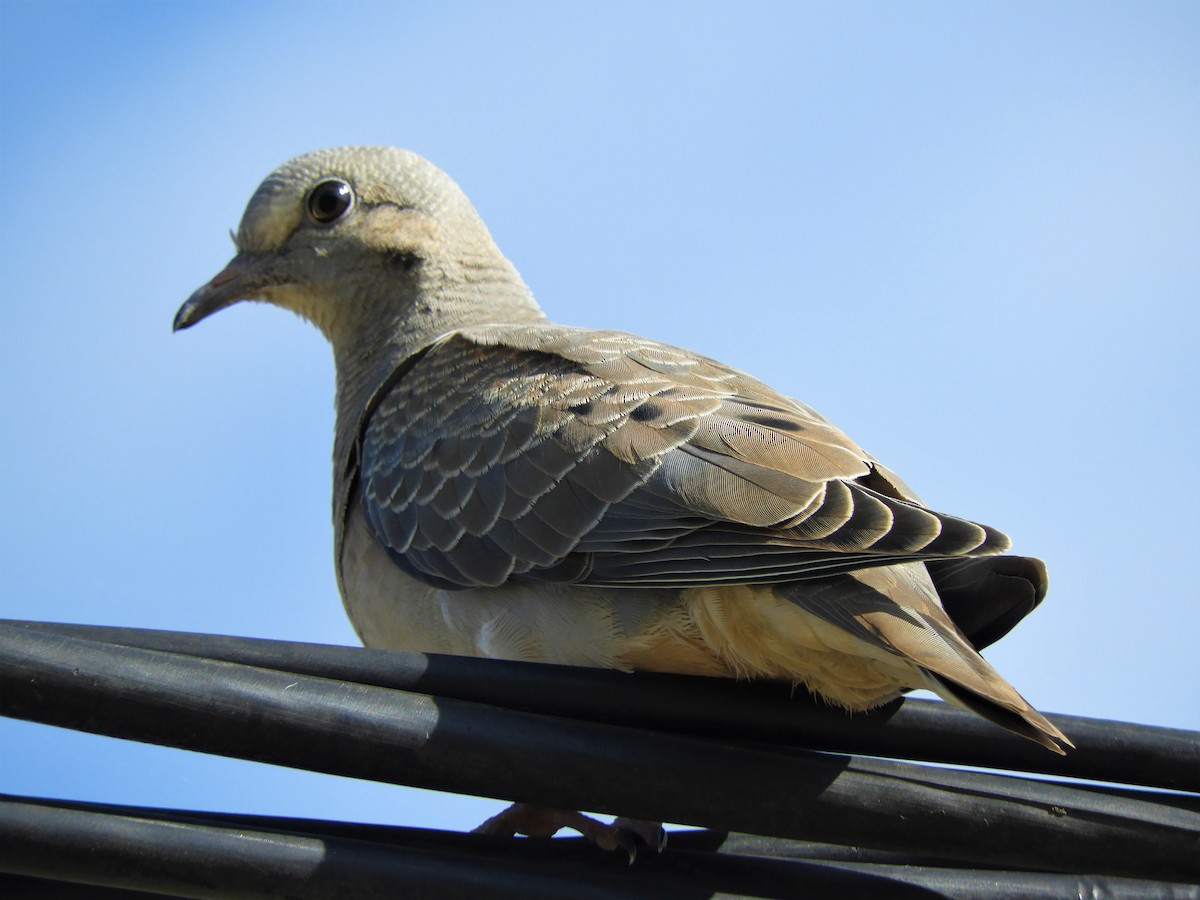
(539, 451)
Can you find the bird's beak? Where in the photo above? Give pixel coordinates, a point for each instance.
(231, 284)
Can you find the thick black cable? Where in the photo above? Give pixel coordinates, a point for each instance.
(208, 855)
(925, 730)
(408, 738)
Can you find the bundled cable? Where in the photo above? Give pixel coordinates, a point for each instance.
(771, 764)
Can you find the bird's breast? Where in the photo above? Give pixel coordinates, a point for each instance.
(531, 621)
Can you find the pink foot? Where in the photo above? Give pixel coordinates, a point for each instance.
(544, 821)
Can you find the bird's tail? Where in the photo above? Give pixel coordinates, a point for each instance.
(1018, 717)
(893, 615)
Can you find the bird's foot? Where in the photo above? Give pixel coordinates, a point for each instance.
(543, 821)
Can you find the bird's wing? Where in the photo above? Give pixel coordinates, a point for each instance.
(539, 451)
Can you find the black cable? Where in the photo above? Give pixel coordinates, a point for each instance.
(416, 739)
(208, 855)
(926, 730)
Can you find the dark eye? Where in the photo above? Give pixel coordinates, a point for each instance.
(329, 200)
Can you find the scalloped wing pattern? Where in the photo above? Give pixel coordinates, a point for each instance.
(540, 451)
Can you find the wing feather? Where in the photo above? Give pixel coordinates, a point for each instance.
(543, 451)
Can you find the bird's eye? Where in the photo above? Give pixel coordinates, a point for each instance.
(329, 200)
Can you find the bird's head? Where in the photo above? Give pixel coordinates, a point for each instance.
(357, 237)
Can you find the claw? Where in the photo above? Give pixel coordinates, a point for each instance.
(648, 834)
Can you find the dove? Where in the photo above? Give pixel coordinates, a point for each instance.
(505, 486)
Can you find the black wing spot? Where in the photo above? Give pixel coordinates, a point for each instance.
(646, 412)
(775, 423)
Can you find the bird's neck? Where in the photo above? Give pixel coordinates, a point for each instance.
(369, 347)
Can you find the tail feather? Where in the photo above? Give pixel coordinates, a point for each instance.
(1024, 721)
(895, 611)
(986, 596)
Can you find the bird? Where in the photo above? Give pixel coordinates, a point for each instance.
(505, 486)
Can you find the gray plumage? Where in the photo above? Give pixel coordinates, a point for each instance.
(507, 486)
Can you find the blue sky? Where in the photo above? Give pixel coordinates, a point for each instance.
(968, 233)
